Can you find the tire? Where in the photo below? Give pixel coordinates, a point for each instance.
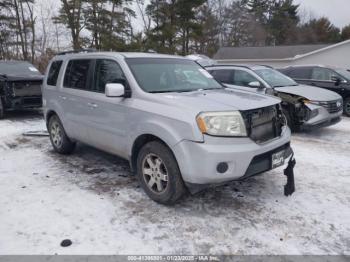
(58, 137)
(2, 110)
(158, 173)
(290, 122)
(347, 106)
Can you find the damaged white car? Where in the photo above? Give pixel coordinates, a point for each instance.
(305, 107)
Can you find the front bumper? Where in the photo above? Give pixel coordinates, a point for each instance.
(322, 119)
(24, 102)
(198, 161)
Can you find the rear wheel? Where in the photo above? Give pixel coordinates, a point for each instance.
(2, 110)
(159, 174)
(347, 106)
(59, 139)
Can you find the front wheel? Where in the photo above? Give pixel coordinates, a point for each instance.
(159, 174)
(347, 106)
(59, 139)
(290, 121)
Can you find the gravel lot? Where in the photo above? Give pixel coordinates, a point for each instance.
(92, 199)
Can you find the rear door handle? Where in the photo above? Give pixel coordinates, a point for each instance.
(92, 105)
(63, 97)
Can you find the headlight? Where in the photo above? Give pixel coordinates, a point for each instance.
(313, 102)
(222, 123)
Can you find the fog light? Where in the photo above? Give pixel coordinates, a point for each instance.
(222, 167)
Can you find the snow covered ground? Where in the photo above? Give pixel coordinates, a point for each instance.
(91, 198)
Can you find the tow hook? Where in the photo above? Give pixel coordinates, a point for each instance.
(289, 188)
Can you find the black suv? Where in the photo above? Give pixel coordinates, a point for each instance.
(331, 78)
(20, 86)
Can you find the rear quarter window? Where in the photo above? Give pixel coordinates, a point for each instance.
(223, 76)
(300, 73)
(53, 73)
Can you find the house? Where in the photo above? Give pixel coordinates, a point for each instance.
(281, 56)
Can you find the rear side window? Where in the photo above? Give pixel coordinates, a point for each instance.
(77, 74)
(223, 76)
(107, 71)
(300, 73)
(53, 73)
(322, 74)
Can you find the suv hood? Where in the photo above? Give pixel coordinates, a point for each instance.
(220, 100)
(23, 78)
(310, 92)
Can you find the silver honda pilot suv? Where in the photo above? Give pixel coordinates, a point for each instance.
(178, 127)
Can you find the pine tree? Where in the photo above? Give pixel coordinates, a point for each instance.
(283, 22)
(319, 31)
(187, 23)
(162, 37)
(345, 33)
(72, 16)
(278, 17)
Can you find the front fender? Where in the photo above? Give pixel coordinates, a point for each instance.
(169, 131)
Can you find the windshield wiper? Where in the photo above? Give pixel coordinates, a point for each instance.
(171, 91)
(184, 90)
(284, 85)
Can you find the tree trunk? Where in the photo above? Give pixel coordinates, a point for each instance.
(24, 23)
(19, 28)
(32, 24)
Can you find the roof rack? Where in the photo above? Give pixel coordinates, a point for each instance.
(268, 66)
(86, 50)
(226, 65)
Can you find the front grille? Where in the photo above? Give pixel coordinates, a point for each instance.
(264, 124)
(26, 88)
(32, 101)
(333, 107)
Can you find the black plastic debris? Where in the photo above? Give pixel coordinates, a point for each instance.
(289, 188)
(66, 243)
(36, 133)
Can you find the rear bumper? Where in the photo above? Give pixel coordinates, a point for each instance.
(198, 162)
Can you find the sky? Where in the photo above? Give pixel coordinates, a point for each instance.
(336, 10)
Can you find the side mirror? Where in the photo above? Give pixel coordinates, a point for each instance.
(270, 91)
(255, 84)
(115, 90)
(336, 80)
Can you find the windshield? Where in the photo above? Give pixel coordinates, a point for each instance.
(344, 73)
(275, 78)
(163, 75)
(18, 68)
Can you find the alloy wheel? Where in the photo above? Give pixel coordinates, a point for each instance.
(56, 134)
(155, 173)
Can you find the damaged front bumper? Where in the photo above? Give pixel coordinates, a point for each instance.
(321, 117)
(259, 165)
